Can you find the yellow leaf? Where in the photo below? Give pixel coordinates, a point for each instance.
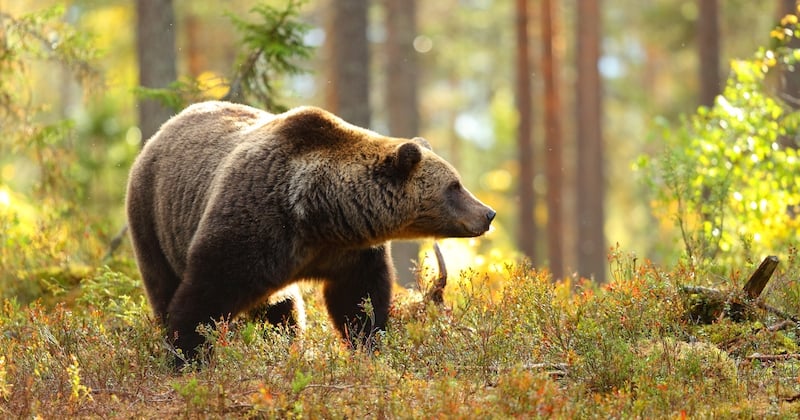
(777, 34)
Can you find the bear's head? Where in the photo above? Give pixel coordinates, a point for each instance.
(439, 204)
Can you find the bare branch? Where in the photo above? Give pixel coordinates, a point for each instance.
(436, 292)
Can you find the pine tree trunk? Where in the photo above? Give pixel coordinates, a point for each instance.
(526, 234)
(590, 241)
(554, 167)
(347, 92)
(155, 46)
(402, 105)
(708, 49)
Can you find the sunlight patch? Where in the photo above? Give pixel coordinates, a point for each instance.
(5, 198)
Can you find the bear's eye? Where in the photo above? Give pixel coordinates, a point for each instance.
(454, 186)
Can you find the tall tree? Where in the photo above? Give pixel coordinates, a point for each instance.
(526, 236)
(591, 242)
(790, 76)
(554, 168)
(708, 49)
(347, 93)
(402, 103)
(707, 29)
(155, 46)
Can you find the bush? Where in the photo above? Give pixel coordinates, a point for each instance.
(727, 175)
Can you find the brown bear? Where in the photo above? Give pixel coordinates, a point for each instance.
(228, 205)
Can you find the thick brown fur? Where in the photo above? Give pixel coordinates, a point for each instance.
(228, 205)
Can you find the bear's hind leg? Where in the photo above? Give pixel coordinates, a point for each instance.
(284, 309)
(159, 279)
(363, 274)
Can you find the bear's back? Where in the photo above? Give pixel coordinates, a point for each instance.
(179, 163)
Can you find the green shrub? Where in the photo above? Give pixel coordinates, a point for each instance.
(727, 176)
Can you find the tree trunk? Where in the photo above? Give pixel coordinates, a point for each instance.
(526, 235)
(155, 46)
(402, 104)
(708, 49)
(790, 77)
(194, 48)
(554, 168)
(348, 61)
(591, 242)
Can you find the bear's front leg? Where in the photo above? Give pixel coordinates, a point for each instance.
(194, 304)
(216, 286)
(362, 274)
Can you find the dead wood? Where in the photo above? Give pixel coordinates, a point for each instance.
(436, 292)
(773, 357)
(775, 311)
(755, 285)
(705, 305)
(782, 325)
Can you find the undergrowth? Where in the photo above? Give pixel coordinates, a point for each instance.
(537, 348)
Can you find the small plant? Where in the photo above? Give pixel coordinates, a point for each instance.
(300, 381)
(194, 394)
(79, 391)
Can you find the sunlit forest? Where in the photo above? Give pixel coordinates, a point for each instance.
(642, 158)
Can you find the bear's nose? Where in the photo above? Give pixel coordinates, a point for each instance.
(490, 215)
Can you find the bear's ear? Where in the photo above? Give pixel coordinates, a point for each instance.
(422, 142)
(407, 157)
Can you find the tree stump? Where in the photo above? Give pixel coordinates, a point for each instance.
(755, 285)
(705, 305)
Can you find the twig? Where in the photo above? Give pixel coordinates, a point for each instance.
(116, 241)
(337, 387)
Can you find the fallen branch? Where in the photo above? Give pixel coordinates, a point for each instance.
(554, 370)
(783, 325)
(773, 357)
(775, 311)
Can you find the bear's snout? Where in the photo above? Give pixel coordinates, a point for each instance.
(481, 220)
(490, 214)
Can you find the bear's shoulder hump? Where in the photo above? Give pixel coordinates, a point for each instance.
(314, 126)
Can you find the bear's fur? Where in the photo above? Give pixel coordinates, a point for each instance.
(228, 205)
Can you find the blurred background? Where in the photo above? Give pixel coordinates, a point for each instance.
(544, 106)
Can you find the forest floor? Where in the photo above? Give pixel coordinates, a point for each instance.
(531, 348)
